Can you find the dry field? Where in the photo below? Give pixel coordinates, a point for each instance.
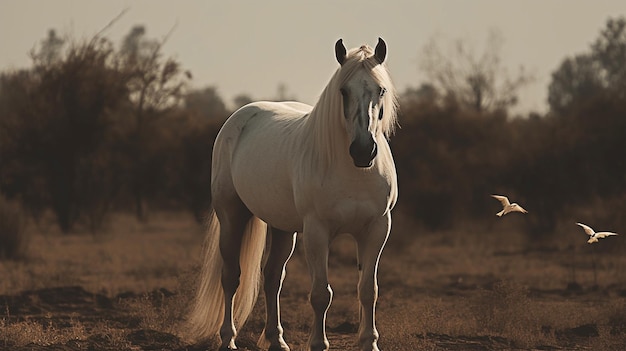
(480, 288)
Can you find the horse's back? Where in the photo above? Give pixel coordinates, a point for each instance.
(271, 109)
(252, 160)
(259, 116)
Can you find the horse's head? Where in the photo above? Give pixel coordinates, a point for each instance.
(368, 99)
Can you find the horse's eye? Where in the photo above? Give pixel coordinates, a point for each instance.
(382, 92)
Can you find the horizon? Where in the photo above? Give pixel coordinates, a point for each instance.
(282, 45)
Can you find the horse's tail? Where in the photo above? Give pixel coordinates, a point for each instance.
(207, 312)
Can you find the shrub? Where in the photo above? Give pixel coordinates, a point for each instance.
(13, 240)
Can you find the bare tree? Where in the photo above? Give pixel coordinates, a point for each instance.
(50, 48)
(476, 81)
(156, 85)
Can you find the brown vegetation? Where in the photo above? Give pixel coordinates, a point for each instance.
(481, 289)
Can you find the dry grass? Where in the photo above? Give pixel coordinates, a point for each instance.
(480, 288)
(127, 256)
(23, 333)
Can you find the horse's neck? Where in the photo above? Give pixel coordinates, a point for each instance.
(325, 132)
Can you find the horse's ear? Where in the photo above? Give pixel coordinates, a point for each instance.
(381, 51)
(340, 51)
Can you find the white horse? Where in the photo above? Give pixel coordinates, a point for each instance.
(321, 171)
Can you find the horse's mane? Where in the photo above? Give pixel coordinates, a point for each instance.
(326, 120)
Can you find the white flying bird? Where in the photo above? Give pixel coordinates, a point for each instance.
(593, 236)
(507, 206)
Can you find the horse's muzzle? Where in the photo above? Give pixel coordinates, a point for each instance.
(363, 153)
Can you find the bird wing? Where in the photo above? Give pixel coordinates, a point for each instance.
(503, 199)
(521, 209)
(587, 229)
(603, 235)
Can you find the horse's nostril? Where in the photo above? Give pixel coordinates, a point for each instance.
(363, 153)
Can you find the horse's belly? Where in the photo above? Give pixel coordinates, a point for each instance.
(266, 190)
(276, 212)
(273, 207)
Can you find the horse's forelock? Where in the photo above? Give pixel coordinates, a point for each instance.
(324, 114)
(363, 59)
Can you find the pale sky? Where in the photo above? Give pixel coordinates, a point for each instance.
(251, 47)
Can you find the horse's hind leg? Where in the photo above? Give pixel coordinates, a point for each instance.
(233, 220)
(370, 245)
(281, 248)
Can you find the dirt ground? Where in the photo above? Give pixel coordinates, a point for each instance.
(444, 291)
(64, 307)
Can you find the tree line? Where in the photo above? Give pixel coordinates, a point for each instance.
(93, 128)
(458, 144)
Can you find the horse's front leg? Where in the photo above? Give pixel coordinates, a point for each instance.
(281, 248)
(316, 240)
(370, 245)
